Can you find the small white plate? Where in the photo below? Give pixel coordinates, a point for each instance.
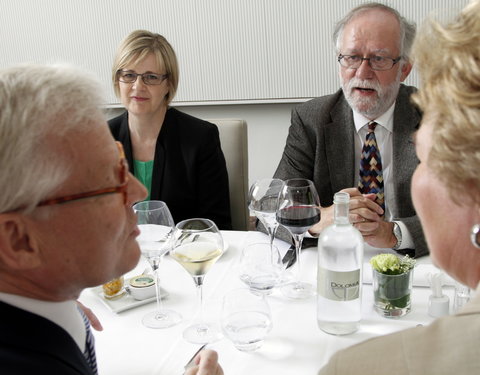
(125, 302)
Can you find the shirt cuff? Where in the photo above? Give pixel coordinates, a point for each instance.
(407, 240)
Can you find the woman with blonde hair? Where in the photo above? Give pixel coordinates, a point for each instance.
(446, 195)
(176, 156)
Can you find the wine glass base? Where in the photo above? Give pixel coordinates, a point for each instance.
(248, 347)
(298, 290)
(203, 333)
(161, 319)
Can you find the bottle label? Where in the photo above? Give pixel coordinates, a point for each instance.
(338, 286)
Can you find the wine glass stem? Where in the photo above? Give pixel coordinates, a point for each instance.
(298, 239)
(199, 283)
(271, 232)
(157, 288)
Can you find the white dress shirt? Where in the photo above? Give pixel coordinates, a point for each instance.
(383, 135)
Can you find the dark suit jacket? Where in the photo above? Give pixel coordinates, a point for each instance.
(320, 147)
(31, 344)
(189, 169)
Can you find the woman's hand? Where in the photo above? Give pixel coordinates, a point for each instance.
(206, 363)
(94, 322)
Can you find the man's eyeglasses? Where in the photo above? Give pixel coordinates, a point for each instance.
(375, 62)
(121, 188)
(127, 76)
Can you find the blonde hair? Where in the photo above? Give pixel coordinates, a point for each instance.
(138, 45)
(448, 59)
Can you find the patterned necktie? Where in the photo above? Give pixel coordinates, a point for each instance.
(371, 175)
(89, 352)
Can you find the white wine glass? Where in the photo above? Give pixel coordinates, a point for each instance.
(263, 202)
(196, 245)
(156, 226)
(298, 210)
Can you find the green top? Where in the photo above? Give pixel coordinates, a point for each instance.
(143, 170)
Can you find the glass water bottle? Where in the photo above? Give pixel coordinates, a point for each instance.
(339, 277)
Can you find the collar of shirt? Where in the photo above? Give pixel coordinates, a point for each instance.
(64, 314)
(386, 120)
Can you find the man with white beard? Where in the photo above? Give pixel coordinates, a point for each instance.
(327, 134)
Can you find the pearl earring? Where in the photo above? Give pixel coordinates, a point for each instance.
(474, 236)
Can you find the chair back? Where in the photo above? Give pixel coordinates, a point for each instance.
(234, 143)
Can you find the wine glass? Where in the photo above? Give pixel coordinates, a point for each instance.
(263, 201)
(156, 226)
(298, 210)
(196, 245)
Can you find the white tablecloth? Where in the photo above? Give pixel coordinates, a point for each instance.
(294, 346)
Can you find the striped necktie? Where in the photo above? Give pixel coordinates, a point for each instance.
(89, 352)
(371, 175)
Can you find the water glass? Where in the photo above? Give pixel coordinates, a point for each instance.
(263, 201)
(462, 296)
(261, 267)
(246, 319)
(155, 223)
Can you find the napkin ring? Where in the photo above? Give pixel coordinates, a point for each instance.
(474, 236)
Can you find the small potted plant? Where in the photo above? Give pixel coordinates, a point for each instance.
(392, 284)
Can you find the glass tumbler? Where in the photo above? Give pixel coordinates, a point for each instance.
(246, 319)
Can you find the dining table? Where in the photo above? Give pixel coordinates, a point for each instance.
(295, 344)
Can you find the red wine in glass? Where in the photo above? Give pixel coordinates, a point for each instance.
(298, 219)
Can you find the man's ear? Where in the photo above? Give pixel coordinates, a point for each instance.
(406, 69)
(18, 248)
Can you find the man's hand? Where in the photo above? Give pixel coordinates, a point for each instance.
(206, 363)
(365, 215)
(363, 209)
(382, 236)
(326, 219)
(94, 322)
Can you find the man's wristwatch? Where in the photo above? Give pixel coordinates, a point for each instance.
(397, 232)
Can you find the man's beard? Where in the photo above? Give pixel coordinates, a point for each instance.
(372, 106)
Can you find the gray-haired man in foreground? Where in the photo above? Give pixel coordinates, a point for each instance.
(66, 219)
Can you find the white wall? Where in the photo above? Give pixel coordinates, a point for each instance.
(267, 131)
(240, 51)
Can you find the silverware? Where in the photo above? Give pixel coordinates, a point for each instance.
(190, 362)
(290, 256)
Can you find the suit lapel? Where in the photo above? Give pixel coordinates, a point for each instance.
(405, 121)
(48, 340)
(340, 146)
(159, 161)
(124, 138)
